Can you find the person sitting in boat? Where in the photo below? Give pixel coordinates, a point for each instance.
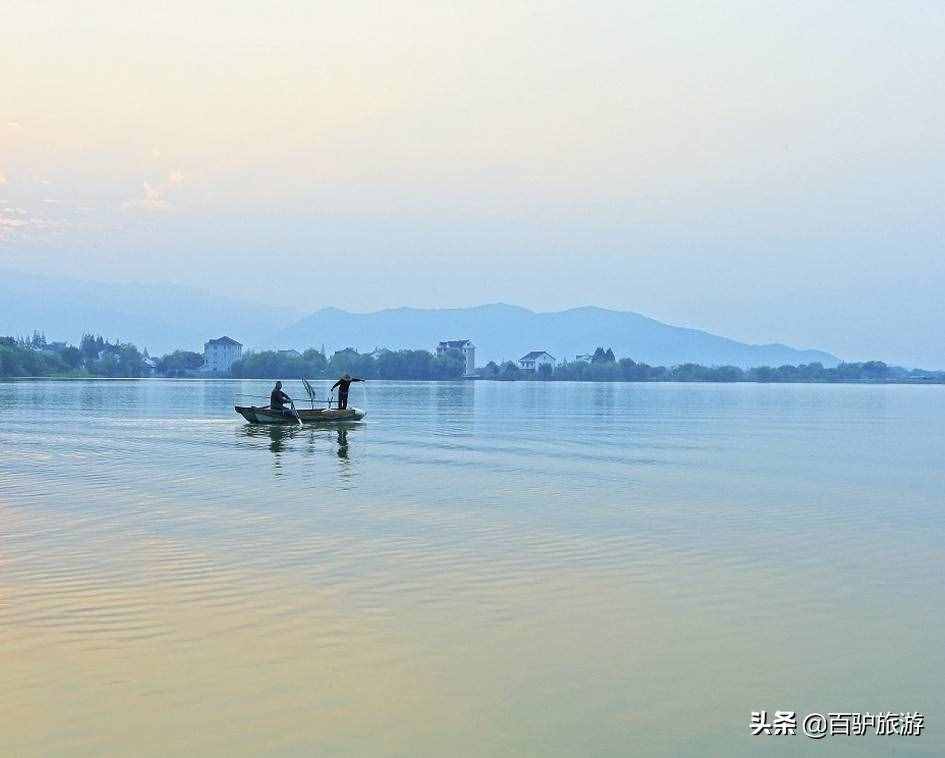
(343, 385)
(278, 398)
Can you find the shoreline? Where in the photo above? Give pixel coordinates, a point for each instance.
(59, 378)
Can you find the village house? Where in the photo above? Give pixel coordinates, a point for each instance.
(220, 354)
(534, 360)
(464, 348)
(349, 353)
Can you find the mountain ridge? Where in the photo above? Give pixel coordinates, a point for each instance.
(502, 331)
(159, 317)
(165, 317)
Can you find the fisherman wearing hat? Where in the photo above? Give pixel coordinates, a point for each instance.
(343, 385)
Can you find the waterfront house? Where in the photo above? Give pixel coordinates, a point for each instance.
(464, 348)
(220, 354)
(534, 360)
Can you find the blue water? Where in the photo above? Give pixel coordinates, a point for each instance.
(476, 569)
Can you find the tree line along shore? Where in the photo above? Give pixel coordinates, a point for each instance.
(95, 356)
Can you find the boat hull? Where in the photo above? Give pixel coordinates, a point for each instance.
(256, 415)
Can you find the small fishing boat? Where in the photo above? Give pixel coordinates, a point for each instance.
(292, 415)
(267, 415)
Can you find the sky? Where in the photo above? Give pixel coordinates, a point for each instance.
(768, 171)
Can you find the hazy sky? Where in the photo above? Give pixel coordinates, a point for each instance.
(767, 171)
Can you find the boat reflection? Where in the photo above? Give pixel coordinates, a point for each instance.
(281, 437)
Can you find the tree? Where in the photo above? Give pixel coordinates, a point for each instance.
(179, 363)
(450, 365)
(91, 345)
(603, 371)
(106, 365)
(130, 360)
(350, 361)
(10, 363)
(810, 371)
(729, 374)
(405, 364)
(762, 373)
(316, 361)
(510, 371)
(604, 356)
(632, 371)
(689, 372)
(875, 370)
(72, 357)
(22, 360)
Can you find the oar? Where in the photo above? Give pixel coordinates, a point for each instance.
(295, 412)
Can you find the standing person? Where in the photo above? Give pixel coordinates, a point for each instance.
(278, 398)
(343, 385)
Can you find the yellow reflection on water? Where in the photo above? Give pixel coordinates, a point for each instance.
(179, 654)
(159, 648)
(184, 676)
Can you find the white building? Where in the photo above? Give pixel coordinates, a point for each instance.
(219, 355)
(465, 348)
(535, 360)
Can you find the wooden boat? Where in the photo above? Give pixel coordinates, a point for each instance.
(266, 415)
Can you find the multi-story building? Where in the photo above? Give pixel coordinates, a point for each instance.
(220, 354)
(465, 348)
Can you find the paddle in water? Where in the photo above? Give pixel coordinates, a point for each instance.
(295, 412)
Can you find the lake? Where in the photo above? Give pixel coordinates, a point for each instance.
(477, 569)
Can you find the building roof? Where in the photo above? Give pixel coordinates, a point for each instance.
(454, 343)
(535, 354)
(224, 341)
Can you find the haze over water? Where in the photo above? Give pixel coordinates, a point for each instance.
(481, 569)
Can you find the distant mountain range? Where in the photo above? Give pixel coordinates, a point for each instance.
(504, 332)
(156, 316)
(165, 317)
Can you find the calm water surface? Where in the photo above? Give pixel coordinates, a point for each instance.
(478, 569)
